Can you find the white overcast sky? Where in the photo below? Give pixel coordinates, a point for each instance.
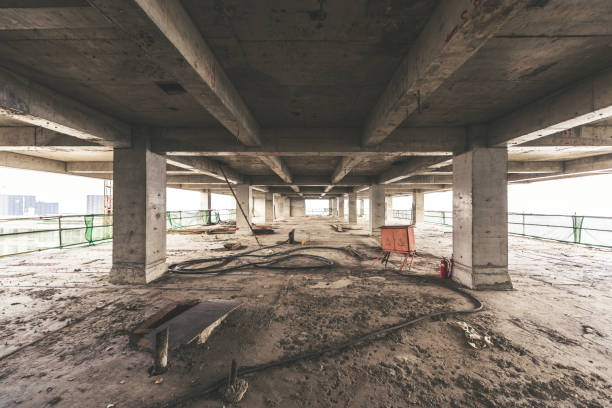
(590, 195)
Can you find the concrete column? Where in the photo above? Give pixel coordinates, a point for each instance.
(139, 213)
(269, 215)
(331, 206)
(362, 208)
(341, 207)
(418, 207)
(244, 197)
(388, 208)
(377, 208)
(205, 200)
(480, 218)
(352, 208)
(286, 207)
(334, 207)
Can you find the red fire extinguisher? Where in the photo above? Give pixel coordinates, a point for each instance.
(446, 268)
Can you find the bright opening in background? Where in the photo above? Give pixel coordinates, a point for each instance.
(317, 207)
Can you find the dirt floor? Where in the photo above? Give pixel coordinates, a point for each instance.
(64, 330)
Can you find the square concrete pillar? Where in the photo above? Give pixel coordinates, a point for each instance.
(388, 208)
(361, 208)
(341, 207)
(352, 208)
(244, 196)
(205, 200)
(298, 207)
(418, 207)
(139, 213)
(334, 207)
(377, 208)
(269, 208)
(480, 218)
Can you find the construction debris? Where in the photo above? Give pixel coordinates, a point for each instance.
(474, 339)
(236, 387)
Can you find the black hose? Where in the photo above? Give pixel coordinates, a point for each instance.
(269, 261)
(328, 350)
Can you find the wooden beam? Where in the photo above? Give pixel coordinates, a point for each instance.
(34, 104)
(585, 102)
(455, 32)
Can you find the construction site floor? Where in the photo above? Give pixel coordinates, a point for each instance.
(64, 329)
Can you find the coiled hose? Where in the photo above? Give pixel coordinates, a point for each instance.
(219, 262)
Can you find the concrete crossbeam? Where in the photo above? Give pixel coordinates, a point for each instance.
(588, 101)
(310, 141)
(408, 169)
(30, 138)
(207, 167)
(310, 181)
(34, 104)
(581, 136)
(535, 167)
(454, 33)
(22, 161)
(588, 164)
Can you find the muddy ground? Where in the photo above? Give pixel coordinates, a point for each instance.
(64, 330)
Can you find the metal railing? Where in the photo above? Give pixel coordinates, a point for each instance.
(319, 211)
(402, 214)
(576, 229)
(24, 235)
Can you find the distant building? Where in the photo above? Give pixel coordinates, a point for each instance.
(25, 205)
(95, 204)
(42, 208)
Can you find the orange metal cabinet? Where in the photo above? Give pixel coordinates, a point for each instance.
(398, 238)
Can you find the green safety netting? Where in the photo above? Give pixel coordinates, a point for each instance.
(22, 235)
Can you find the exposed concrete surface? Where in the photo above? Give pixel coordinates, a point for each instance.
(480, 218)
(139, 221)
(551, 335)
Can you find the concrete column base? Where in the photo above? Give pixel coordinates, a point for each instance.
(126, 272)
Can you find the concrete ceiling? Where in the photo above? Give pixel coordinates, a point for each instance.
(302, 64)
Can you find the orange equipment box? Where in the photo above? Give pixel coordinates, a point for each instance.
(397, 239)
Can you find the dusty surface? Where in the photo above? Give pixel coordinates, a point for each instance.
(67, 329)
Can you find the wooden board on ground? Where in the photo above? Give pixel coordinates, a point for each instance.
(195, 323)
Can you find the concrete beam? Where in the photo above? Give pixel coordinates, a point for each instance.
(454, 33)
(30, 138)
(322, 181)
(535, 167)
(89, 167)
(582, 136)
(197, 179)
(49, 18)
(408, 169)
(22, 161)
(408, 187)
(206, 166)
(202, 75)
(588, 164)
(428, 180)
(344, 167)
(310, 141)
(29, 102)
(585, 102)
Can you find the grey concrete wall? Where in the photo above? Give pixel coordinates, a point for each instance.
(298, 207)
(480, 218)
(139, 213)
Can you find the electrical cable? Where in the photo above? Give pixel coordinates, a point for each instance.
(376, 334)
